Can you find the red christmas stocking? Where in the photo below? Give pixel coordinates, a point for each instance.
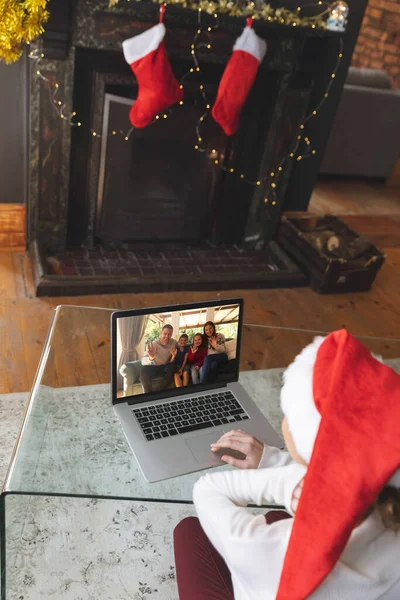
(238, 79)
(158, 87)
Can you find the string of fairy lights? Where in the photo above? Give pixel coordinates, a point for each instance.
(302, 148)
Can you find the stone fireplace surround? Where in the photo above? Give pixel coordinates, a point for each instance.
(62, 209)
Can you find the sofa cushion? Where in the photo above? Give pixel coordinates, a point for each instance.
(376, 78)
(230, 346)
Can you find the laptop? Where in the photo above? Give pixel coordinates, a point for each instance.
(170, 411)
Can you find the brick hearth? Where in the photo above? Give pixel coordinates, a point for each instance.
(142, 269)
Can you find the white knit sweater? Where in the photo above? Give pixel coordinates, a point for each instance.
(368, 569)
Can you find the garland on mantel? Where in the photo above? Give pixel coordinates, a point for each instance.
(20, 22)
(256, 10)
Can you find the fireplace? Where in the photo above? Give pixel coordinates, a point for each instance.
(93, 194)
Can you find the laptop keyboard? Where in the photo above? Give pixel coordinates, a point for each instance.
(181, 416)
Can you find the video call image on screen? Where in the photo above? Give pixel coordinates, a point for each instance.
(176, 349)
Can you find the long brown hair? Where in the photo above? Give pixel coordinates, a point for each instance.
(387, 506)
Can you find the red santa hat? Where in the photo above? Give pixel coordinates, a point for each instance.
(343, 411)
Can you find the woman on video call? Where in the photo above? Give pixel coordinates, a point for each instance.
(216, 351)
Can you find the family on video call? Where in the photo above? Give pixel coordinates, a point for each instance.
(185, 360)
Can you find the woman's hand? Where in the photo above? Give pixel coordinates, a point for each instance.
(174, 352)
(213, 340)
(243, 442)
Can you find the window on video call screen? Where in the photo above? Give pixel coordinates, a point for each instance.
(182, 348)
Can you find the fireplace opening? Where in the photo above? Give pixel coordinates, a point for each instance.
(156, 186)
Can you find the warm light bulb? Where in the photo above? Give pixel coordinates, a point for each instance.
(181, 86)
(94, 134)
(279, 168)
(216, 162)
(114, 133)
(265, 200)
(37, 72)
(192, 52)
(74, 114)
(299, 137)
(242, 176)
(209, 46)
(62, 116)
(326, 95)
(196, 147)
(273, 185)
(313, 152)
(231, 170)
(201, 87)
(57, 85)
(301, 126)
(273, 203)
(299, 157)
(209, 29)
(198, 31)
(79, 124)
(333, 75)
(208, 106)
(314, 112)
(157, 116)
(191, 70)
(165, 116)
(258, 182)
(291, 155)
(198, 69)
(126, 138)
(181, 102)
(340, 55)
(272, 174)
(199, 139)
(59, 103)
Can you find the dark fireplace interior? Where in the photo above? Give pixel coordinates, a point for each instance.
(154, 191)
(156, 187)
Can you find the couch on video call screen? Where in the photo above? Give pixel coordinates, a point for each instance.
(182, 348)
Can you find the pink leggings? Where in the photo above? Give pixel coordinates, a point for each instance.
(201, 572)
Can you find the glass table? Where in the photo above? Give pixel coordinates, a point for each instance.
(74, 504)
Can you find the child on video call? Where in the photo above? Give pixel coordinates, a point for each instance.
(195, 357)
(339, 482)
(182, 375)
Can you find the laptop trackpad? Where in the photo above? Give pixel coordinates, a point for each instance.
(200, 448)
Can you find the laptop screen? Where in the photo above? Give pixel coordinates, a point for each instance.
(167, 351)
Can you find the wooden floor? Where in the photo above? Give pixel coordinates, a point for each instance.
(338, 197)
(24, 319)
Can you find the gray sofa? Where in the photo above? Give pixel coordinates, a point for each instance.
(365, 137)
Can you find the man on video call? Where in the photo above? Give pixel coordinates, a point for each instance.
(159, 359)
